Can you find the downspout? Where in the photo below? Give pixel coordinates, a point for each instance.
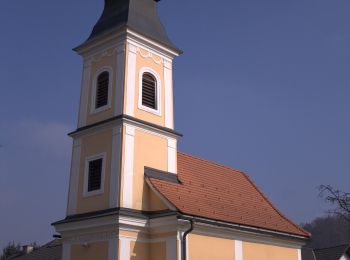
(183, 242)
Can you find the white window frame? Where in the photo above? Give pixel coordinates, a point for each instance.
(87, 193)
(158, 90)
(95, 110)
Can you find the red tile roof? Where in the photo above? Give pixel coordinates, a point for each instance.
(213, 191)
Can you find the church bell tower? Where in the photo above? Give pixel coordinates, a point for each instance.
(125, 128)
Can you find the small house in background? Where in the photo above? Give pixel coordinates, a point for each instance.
(341, 252)
(49, 251)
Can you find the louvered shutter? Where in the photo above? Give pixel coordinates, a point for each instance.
(95, 175)
(149, 91)
(102, 90)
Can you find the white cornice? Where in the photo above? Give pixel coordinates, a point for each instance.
(124, 121)
(115, 38)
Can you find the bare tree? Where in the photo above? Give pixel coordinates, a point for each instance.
(339, 199)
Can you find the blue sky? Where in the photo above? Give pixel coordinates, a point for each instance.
(263, 86)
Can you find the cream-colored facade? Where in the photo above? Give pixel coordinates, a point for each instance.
(126, 219)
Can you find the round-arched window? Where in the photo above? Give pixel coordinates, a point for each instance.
(149, 91)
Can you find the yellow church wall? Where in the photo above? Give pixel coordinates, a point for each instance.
(151, 151)
(97, 64)
(147, 251)
(157, 251)
(94, 251)
(254, 251)
(91, 145)
(155, 63)
(163, 235)
(202, 247)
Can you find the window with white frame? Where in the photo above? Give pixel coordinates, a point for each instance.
(94, 175)
(149, 91)
(101, 95)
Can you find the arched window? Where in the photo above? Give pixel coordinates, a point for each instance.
(149, 91)
(102, 90)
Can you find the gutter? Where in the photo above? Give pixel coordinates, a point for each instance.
(184, 240)
(242, 227)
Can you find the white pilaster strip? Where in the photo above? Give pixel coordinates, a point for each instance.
(120, 79)
(171, 249)
(66, 251)
(128, 173)
(84, 94)
(113, 249)
(124, 249)
(299, 254)
(238, 250)
(115, 168)
(131, 80)
(178, 243)
(188, 247)
(74, 178)
(172, 155)
(168, 93)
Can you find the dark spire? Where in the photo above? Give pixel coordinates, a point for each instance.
(138, 15)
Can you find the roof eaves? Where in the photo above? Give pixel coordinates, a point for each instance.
(231, 225)
(161, 175)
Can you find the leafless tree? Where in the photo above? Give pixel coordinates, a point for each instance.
(339, 199)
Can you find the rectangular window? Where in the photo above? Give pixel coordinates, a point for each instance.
(95, 175)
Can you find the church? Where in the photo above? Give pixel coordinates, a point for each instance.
(132, 194)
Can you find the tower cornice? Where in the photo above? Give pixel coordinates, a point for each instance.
(118, 37)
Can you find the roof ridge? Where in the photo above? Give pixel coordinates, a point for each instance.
(212, 162)
(255, 187)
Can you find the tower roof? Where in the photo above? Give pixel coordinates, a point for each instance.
(138, 15)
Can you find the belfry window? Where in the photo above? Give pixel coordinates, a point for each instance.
(94, 175)
(149, 91)
(102, 89)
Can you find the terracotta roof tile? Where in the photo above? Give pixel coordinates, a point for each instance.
(217, 192)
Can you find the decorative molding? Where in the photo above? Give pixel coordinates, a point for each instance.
(156, 47)
(121, 47)
(87, 193)
(115, 167)
(106, 53)
(128, 171)
(157, 111)
(74, 178)
(238, 250)
(148, 54)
